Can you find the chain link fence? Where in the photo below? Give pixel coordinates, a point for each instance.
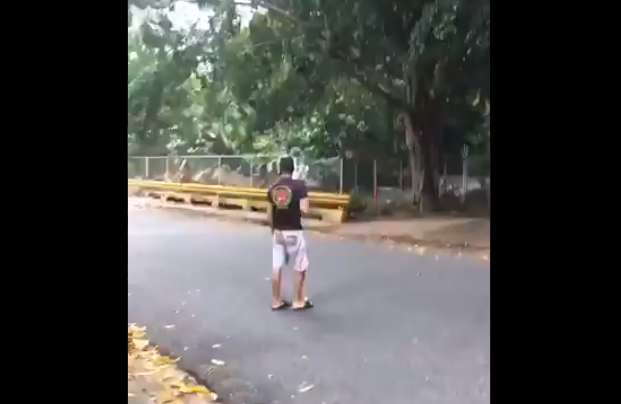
(373, 174)
(239, 171)
(386, 184)
(373, 181)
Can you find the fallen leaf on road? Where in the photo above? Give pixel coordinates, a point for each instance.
(196, 389)
(304, 387)
(165, 360)
(141, 344)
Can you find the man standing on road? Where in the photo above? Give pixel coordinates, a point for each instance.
(288, 198)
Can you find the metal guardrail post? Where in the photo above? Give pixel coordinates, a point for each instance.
(146, 167)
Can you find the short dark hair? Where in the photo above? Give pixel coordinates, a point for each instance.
(286, 165)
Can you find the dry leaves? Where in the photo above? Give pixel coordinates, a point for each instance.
(157, 377)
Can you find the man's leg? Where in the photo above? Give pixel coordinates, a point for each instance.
(300, 267)
(300, 296)
(277, 264)
(276, 282)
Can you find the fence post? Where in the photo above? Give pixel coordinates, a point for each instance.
(146, 167)
(341, 176)
(251, 162)
(375, 192)
(464, 173)
(219, 170)
(356, 176)
(167, 175)
(442, 185)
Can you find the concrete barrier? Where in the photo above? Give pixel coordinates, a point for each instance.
(327, 206)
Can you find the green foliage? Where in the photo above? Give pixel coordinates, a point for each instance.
(324, 76)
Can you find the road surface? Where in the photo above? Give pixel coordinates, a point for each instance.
(389, 326)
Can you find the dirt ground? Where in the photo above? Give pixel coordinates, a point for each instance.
(473, 233)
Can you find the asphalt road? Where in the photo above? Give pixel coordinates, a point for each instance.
(388, 326)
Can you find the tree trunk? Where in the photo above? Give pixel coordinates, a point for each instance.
(422, 140)
(414, 160)
(429, 200)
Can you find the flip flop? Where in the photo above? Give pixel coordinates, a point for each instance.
(283, 305)
(307, 305)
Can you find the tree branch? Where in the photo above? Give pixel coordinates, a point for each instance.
(351, 68)
(255, 4)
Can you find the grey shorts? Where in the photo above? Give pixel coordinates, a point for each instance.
(289, 243)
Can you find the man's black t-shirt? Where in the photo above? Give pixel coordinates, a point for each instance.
(284, 196)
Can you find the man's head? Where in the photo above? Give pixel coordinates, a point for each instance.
(286, 165)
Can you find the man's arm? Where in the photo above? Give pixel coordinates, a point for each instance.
(270, 210)
(304, 204)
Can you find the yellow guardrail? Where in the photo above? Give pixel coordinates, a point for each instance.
(328, 206)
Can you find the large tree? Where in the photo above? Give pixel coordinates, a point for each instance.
(427, 60)
(329, 75)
